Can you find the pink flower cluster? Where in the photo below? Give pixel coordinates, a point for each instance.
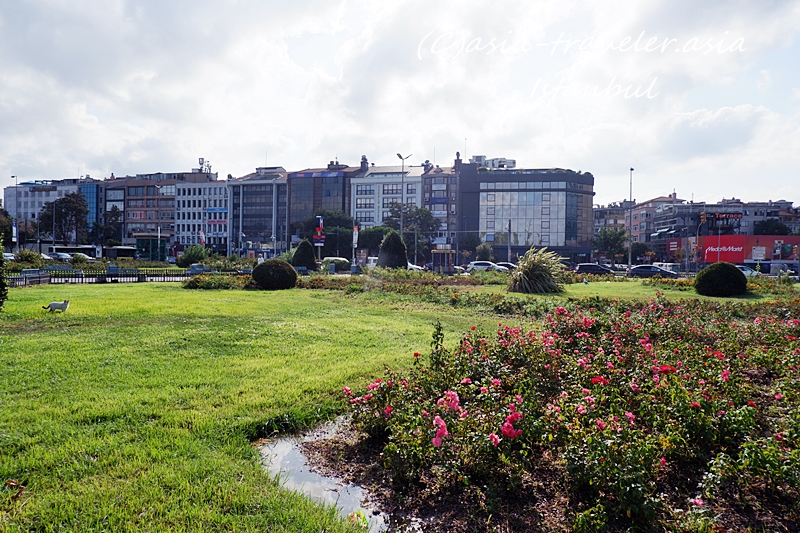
(441, 431)
(508, 430)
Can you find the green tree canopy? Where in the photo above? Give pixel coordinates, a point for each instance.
(70, 218)
(610, 242)
(370, 239)
(770, 226)
(393, 252)
(419, 227)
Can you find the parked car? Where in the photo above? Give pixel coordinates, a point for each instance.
(83, 257)
(46, 257)
(9, 257)
(592, 268)
(484, 265)
(747, 271)
(412, 266)
(198, 268)
(648, 271)
(61, 256)
(509, 266)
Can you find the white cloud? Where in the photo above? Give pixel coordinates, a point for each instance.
(100, 87)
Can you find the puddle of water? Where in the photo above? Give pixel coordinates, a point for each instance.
(283, 459)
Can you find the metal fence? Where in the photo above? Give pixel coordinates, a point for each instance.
(111, 275)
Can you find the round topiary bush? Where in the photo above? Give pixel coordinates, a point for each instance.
(393, 253)
(304, 256)
(275, 274)
(720, 279)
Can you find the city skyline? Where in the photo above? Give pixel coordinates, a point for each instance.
(702, 100)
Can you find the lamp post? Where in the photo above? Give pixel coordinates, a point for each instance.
(630, 224)
(402, 189)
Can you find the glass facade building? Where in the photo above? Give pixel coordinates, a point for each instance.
(538, 207)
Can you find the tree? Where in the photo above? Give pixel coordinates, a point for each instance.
(483, 252)
(370, 239)
(469, 242)
(770, 226)
(639, 249)
(337, 228)
(419, 226)
(193, 254)
(110, 229)
(610, 242)
(5, 228)
(393, 252)
(70, 212)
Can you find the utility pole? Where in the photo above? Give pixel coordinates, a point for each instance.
(630, 224)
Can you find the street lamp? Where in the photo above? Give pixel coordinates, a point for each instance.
(630, 223)
(402, 188)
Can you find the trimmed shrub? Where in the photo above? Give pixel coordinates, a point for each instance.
(720, 279)
(304, 256)
(340, 265)
(193, 254)
(537, 272)
(393, 253)
(275, 274)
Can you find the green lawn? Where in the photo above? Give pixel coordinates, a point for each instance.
(134, 411)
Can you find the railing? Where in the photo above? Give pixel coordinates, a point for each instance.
(63, 274)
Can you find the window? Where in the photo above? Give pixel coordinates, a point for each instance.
(151, 190)
(411, 201)
(365, 203)
(114, 194)
(387, 202)
(135, 191)
(490, 197)
(411, 188)
(490, 225)
(365, 190)
(365, 216)
(392, 188)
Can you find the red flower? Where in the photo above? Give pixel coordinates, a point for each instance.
(751, 404)
(695, 404)
(599, 380)
(416, 354)
(667, 369)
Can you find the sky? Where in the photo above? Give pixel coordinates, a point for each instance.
(700, 98)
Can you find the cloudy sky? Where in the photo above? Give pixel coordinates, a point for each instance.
(699, 97)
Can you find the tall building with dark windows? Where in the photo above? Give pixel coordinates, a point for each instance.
(543, 207)
(321, 188)
(257, 219)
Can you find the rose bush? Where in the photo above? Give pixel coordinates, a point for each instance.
(649, 410)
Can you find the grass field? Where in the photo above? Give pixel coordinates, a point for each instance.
(134, 411)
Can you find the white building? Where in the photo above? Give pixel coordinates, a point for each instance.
(201, 214)
(372, 195)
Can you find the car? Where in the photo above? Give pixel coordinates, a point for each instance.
(61, 256)
(412, 266)
(78, 256)
(475, 266)
(509, 266)
(592, 268)
(46, 257)
(747, 271)
(649, 271)
(9, 257)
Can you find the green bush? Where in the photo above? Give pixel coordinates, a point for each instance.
(538, 271)
(193, 254)
(392, 253)
(275, 274)
(216, 282)
(340, 265)
(304, 256)
(30, 258)
(484, 252)
(720, 279)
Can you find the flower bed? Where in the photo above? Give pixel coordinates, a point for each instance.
(654, 414)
